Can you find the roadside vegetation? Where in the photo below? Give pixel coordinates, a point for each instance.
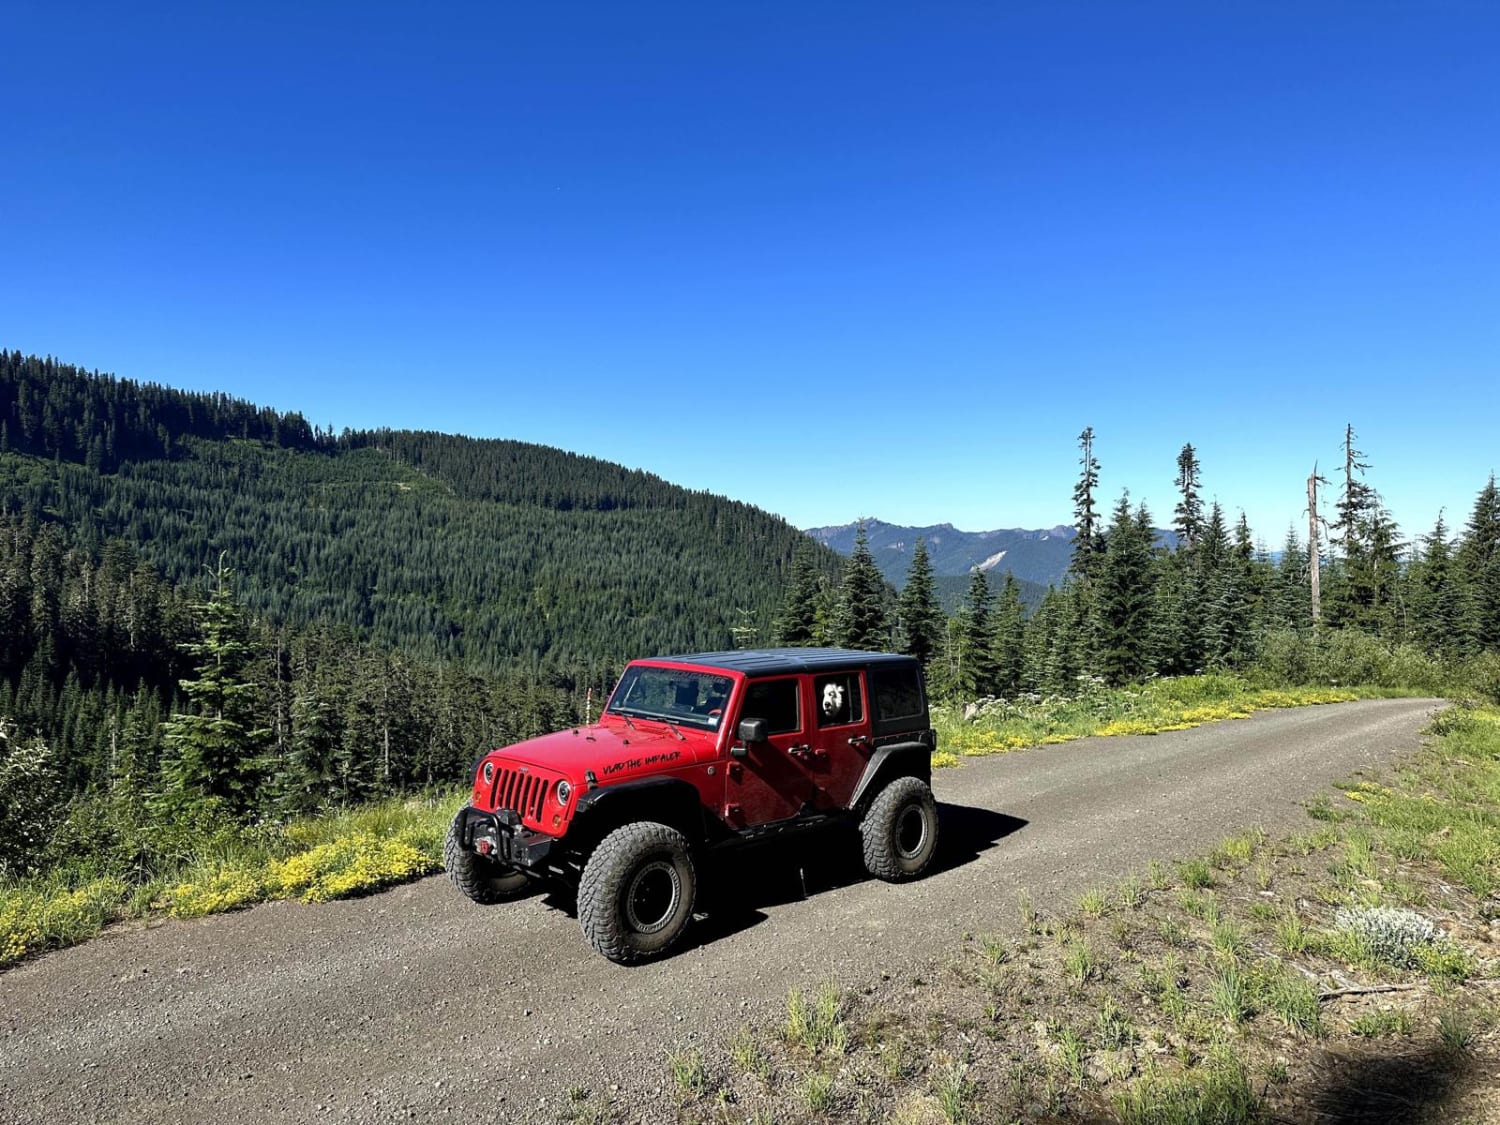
(996, 726)
(229, 866)
(1347, 973)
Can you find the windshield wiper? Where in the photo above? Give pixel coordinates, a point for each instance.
(680, 736)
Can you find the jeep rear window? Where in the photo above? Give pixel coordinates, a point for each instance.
(690, 699)
(837, 699)
(776, 702)
(897, 692)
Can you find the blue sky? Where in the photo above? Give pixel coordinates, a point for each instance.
(837, 260)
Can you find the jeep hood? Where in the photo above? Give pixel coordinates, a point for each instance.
(612, 750)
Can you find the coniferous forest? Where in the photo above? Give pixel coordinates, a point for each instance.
(215, 613)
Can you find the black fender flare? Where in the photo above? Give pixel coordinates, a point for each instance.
(667, 800)
(893, 760)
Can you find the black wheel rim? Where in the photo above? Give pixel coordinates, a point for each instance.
(652, 896)
(911, 832)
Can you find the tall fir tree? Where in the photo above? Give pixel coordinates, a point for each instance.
(797, 623)
(1437, 602)
(1089, 545)
(1479, 564)
(976, 657)
(921, 618)
(861, 620)
(214, 748)
(1126, 584)
(1189, 511)
(1289, 594)
(1008, 647)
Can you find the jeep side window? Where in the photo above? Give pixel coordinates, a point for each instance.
(775, 701)
(897, 692)
(838, 699)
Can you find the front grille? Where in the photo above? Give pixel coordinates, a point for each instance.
(520, 792)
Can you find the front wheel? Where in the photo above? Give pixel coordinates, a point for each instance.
(900, 830)
(481, 879)
(636, 895)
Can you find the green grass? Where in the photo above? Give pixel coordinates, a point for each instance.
(1094, 902)
(1082, 964)
(818, 1092)
(955, 1093)
(1196, 874)
(348, 853)
(1219, 1094)
(1230, 995)
(1446, 808)
(1382, 1025)
(1158, 706)
(817, 1026)
(688, 1072)
(1295, 1001)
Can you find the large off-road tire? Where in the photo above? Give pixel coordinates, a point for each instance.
(636, 895)
(900, 830)
(483, 880)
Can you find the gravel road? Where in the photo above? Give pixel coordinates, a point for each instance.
(417, 1004)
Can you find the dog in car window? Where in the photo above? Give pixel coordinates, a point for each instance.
(834, 710)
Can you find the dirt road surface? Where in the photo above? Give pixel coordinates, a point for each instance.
(419, 1005)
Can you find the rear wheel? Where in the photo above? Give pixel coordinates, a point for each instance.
(636, 895)
(481, 879)
(900, 830)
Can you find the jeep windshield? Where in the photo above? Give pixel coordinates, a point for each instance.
(671, 695)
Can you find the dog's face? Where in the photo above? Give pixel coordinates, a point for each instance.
(833, 699)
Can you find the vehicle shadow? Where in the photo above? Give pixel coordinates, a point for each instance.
(736, 887)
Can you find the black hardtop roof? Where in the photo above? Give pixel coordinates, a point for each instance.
(769, 661)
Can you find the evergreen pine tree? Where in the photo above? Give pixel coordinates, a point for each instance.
(1189, 510)
(1008, 648)
(976, 660)
(215, 747)
(1088, 546)
(1479, 563)
(796, 624)
(921, 619)
(1125, 589)
(861, 621)
(1437, 596)
(1289, 586)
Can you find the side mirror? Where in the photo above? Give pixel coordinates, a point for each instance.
(752, 730)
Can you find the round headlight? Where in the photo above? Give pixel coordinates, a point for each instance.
(488, 772)
(564, 791)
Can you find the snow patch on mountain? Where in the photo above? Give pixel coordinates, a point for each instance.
(993, 561)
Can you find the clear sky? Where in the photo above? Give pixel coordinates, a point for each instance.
(837, 260)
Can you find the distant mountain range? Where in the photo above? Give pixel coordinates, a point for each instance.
(1037, 558)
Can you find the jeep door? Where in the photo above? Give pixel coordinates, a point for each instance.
(839, 735)
(769, 783)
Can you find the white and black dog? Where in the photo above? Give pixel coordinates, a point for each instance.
(833, 703)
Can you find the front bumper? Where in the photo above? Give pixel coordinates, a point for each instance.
(501, 837)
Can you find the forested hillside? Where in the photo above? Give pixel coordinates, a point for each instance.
(504, 554)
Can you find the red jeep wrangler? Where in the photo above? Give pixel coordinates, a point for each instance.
(693, 754)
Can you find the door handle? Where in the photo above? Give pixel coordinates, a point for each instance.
(860, 740)
(799, 751)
